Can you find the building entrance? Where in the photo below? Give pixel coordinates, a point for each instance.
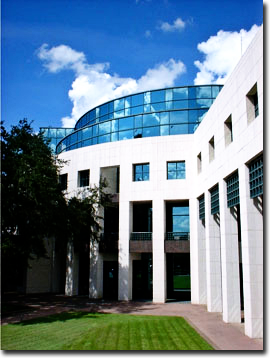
(110, 280)
(178, 277)
(143, 278)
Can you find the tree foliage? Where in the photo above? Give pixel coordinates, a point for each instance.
(33, 204)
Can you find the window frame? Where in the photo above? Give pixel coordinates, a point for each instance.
(176, 171)
(142, 172)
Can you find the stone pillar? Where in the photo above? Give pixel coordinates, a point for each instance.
(72, 271)
(96, 272)
(159, 256)
(213, 258)
(125, 265)
(230, 259)
(198, 255)
(252, 257)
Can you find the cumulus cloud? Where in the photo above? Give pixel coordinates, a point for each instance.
(177, 25)
(222, 52)
(93, 85)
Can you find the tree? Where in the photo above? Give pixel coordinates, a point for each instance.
(33, 205)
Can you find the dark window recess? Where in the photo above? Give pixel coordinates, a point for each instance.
(233, 197)
(214, 198)
(83, 179)
(63, 181)
(202, 207)
(252, 105)
(256, 177)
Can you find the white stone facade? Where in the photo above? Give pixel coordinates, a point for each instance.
(215, 252)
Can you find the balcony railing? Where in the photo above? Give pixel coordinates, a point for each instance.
(177, 236)
(141, 236)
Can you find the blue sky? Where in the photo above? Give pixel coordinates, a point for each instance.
(62, 57)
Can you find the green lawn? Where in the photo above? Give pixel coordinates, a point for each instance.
(94, 331)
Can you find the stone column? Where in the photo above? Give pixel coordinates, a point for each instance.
(159, 256)
(230, 259)
(72, 271)
(96, 272)
(252, 256)
(213, 258)
(125, 267)
(198, 255)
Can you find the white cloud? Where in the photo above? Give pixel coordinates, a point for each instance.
(177, 25)
(222, 53)
(93, 85)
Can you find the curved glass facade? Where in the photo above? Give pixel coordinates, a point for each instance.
(171, 111)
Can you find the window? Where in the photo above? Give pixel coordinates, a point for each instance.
(176, 170)
(214, 200)
(63, 181)
(83, 178)
(252, 106)
(233, 197)
(141, 172)
(211, 149)
(202, 207)
(256, 177)
(199, 163)
(228, 131)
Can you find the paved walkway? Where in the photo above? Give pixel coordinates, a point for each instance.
(220, 335)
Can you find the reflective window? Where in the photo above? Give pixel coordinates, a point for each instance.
(203, 92)
(114, 136)
(158, 96)
(176, 170)
(169, 94)
(147, 97)
(164, 118)
(158, 107)
(119, 113)
(137, 110)
(104, 110)
(191, 92)
(141, 172)
(180, 104)
(138, 121)
(137, 100)
(151, 131)
(127, 102)
(104, 128)
(203, 102)
(178, 129)
(180, 94)
(178, 117)
(86, 133)
(164, 130)
(119, 104)
(124, 135)
(147, 108)
(126, 123)
(115, 125)
(104, 139)
(150, 119)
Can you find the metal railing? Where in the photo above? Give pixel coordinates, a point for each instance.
(141, 236)
(177, 236)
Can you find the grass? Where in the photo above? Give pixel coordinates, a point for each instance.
(182, 282)
(95, 331)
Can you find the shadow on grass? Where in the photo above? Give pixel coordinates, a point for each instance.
(61, 317)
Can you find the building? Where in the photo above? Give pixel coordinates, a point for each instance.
(185, 166)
